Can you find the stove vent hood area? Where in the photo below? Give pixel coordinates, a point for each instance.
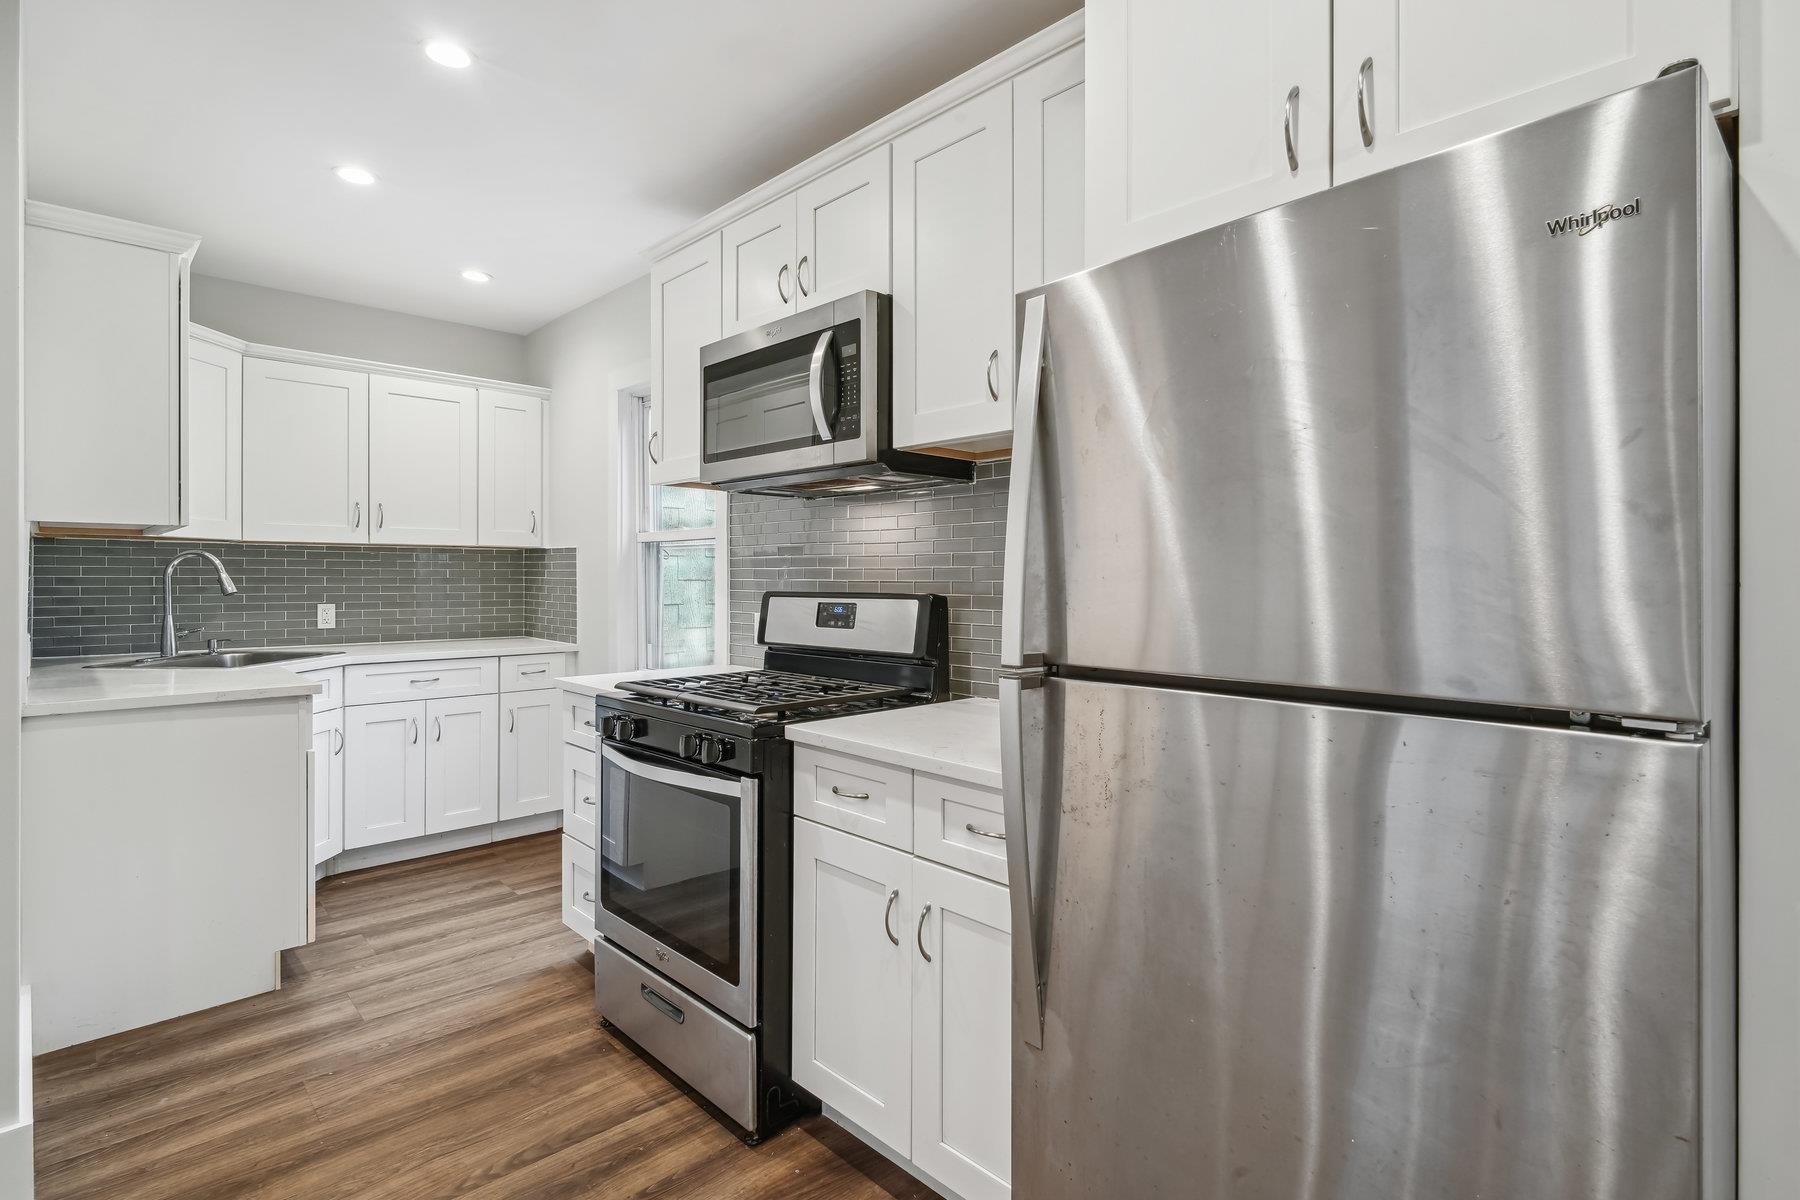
(894, 471)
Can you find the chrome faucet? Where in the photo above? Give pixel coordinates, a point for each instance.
(226, 587)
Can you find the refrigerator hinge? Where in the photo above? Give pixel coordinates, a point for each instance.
(1028, 677)
(1676, 731)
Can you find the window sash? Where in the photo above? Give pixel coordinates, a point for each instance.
(650, 540)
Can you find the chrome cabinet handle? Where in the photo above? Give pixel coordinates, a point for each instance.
(980, 832)
(439, 723)
(340, 743)
(849, 795)
(534, 671)
(781, 283)
(919, 934)
(651, 448)
(800, 275)
(588, 800)
(356, 515)
(1364, 76)
(534, 520)
(1287, 129)
(887, 918)
(512, 719)
(380, 515)
(588, 897)
(414, 722)
(422, 682)
(993, 375)
(589, 724)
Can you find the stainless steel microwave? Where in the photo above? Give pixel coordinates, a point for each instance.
(802, 407)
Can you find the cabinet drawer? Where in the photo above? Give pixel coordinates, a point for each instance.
(528, 672)
(332, 697)
(581, 797)
(953, 823)
(578, 720)
(855, 795)
(381, 683)
(578, 887)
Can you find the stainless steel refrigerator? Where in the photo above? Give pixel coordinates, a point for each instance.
(1368, 686)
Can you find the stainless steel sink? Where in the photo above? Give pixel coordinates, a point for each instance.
(218, 660)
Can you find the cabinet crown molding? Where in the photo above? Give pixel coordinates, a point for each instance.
(1046, 43)
(368, 366)
(112, 229)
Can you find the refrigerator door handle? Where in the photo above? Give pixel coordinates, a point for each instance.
(1018, 492)
(1028, 829)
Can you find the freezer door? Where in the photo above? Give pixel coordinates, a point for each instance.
(1296, 951)
(1401, 437)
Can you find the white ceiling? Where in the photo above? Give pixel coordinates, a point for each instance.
(585, 131)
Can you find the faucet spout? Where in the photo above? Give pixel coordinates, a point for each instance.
(227, 586)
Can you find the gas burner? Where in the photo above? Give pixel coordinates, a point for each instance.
(762, 693)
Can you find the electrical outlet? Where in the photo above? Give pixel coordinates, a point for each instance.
(327, 616)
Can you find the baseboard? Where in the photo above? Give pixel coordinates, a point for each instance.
(881, 1148)
(15, 1139)
(438, 843)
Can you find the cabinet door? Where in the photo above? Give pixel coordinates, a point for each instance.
(327, 800)
(853, 959)
(962, 1031)
(1189, 118)
(530, 753)
(213, 470)
(306, 453)
(462, 767)
(423, 462)
(511, 489)
(758, 270)
(1440, 74)
(684, 316)
(578, 888)
(846, 224)
(953, 277)
(384, 773)
(1049, 170)
(581, 802)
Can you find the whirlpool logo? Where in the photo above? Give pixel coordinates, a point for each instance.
(1582, 224)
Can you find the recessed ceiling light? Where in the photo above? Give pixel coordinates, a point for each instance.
(448, 54)
(355, 175)
(475, 276)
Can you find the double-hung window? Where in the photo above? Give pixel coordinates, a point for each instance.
(680, 566)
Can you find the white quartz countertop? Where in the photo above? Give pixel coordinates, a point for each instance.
(607, 685)
(65, 685)
(959, 739)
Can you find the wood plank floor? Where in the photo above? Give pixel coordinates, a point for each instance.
(437, 1040)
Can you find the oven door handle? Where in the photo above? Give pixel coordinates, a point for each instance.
(818, 383)
(692, 781)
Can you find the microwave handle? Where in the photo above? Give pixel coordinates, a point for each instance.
(816, 383)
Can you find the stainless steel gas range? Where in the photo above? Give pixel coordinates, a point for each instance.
(693, 857)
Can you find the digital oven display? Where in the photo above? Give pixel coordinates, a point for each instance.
(837, 615)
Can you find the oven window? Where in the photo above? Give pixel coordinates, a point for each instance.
(759, 403)
(670, 864)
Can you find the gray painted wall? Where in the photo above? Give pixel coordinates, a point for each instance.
(278, 318)
(949, 540)
(104, 595)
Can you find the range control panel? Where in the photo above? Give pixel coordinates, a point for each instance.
(837, 614)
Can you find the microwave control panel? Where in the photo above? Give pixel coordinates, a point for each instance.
(849, 413)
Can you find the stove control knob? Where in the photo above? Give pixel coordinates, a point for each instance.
(714, 751)
(691, 745)
(620, 728)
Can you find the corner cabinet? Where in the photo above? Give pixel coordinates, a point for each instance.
(105, 369)
(213, 440)
(684, 316)
(1049, 170)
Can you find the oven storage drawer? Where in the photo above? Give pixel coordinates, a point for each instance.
(714, 1056)
(857, 795)
(382, 683)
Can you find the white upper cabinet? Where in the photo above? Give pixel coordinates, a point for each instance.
(953, 277)
(1200, 112)
(423, 462)
(758, 270)
(684, 316)
(511, 486)
(105, 369)
(845, 222)
(214, 452)
(306, 453)
(1417, 76)
(1049, 170)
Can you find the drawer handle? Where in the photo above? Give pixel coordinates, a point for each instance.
(660, 1005)
(850, 796)
(587, 897)
(422, 682)
(887, 918)
(919, 936)
(589, 724)
(588, 800)
(980, 832)
(535, 671)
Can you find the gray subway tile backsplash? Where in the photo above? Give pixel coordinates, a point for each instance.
(948, 540)
(104, 595)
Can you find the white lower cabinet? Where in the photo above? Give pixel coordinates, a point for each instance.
(462, 763)
(384, 773)
(581, 799)
(530, 734)
(327, 785)
(578, 887)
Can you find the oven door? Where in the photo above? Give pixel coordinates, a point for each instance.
(791, 396)
(676, 866)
